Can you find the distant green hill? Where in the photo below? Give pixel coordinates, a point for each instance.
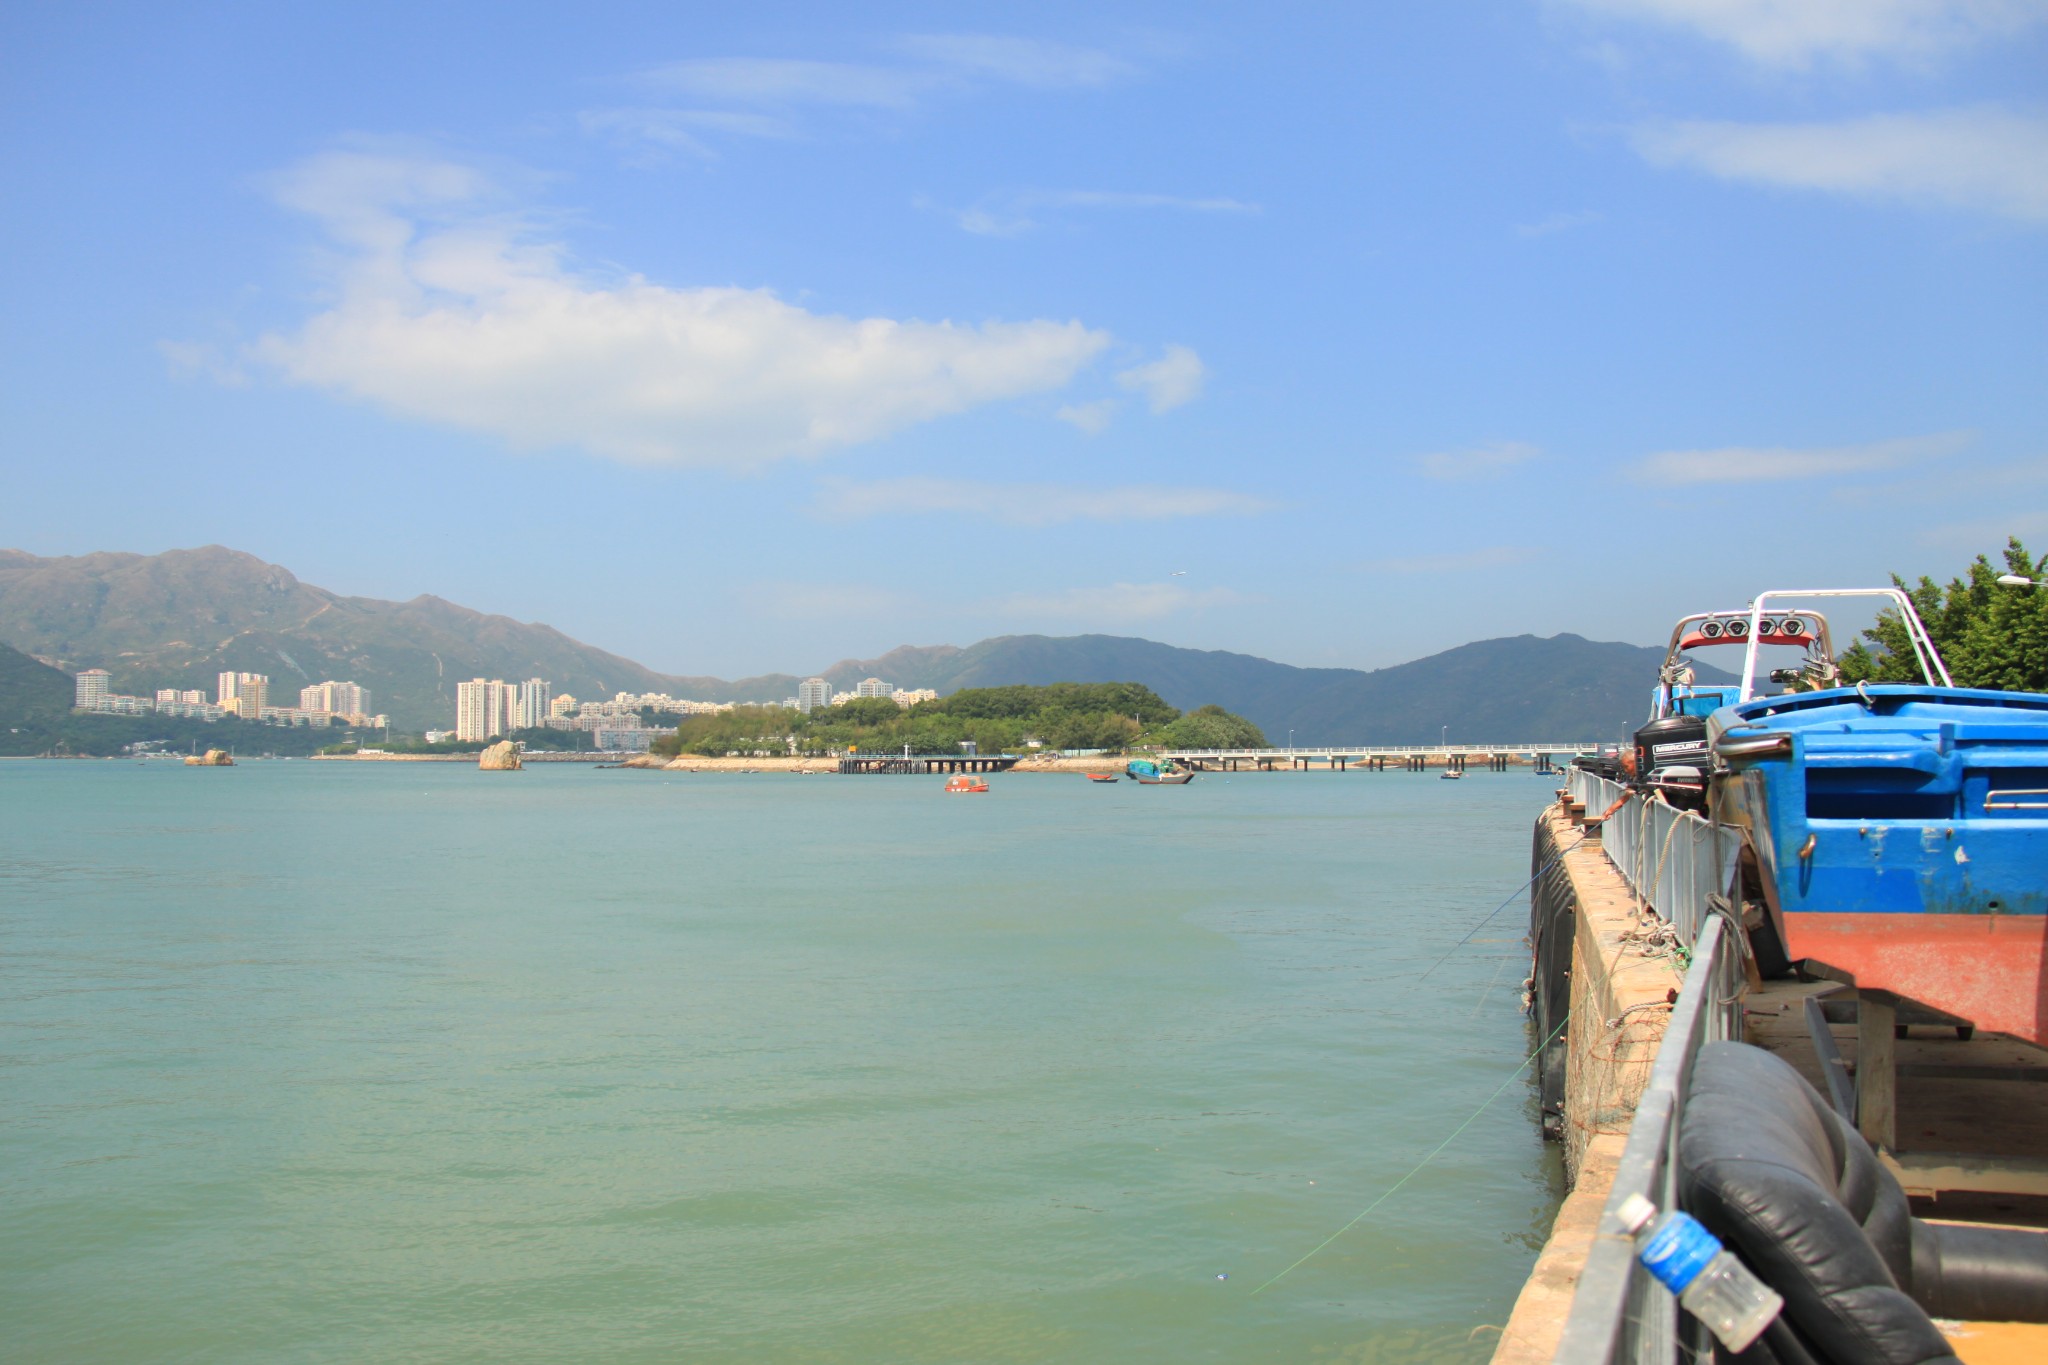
(33, 697)
(36, 718)
(1522, 687)
(177, 619)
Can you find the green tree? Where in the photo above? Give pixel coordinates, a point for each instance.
(1989, 635)
(1211, 727)
(860, 711)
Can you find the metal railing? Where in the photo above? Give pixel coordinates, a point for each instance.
(1555, 748)
(1672, 859)
(1683, 867)
(1619, 1313)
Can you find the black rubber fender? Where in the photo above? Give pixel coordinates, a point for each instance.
(1553, 920)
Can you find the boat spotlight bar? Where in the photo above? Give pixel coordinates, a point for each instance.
(1924, 652)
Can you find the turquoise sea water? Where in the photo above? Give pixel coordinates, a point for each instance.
(317, 1061)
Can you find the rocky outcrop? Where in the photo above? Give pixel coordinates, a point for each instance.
(213, 758)
(502, 757)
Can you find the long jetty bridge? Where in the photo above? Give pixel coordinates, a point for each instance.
(928, 763)
(1412, 758)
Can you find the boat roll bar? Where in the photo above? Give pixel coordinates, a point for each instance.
(1924, 653)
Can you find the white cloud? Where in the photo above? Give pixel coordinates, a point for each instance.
(1987, 535)
(1029, 504)
(1456, 561)
(1117, 603)
(445, 313)
(189, 358)
(1093, 418)
(1793, 33)
(2022, 483)
(1019, 61)
(1011, 213)
(939, 63)
(1480, 462)
(1984, 159)
(1754, 464)
(1173, 379)
(781, 81)
(682, 129)
(928, 67)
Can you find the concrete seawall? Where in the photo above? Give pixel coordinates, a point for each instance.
(1599, 956)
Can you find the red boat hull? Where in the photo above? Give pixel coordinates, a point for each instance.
(1988, 969)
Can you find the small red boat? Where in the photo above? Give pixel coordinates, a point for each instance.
(1101, 777)
(961, 783)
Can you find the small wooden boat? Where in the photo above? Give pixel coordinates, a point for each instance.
(1100, 777)
(961, 783)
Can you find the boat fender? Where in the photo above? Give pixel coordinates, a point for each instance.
(1770, 1168)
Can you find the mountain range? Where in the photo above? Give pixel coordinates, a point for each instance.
(177, 619)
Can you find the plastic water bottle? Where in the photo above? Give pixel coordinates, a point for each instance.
(1710, 1281)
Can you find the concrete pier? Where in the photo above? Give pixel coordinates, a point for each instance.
(1963, 1097)
(1621, 984)
(1543, 756)
(927, 763)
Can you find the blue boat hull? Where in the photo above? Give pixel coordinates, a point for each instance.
(1901, 837)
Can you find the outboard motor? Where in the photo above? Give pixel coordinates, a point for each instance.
(1672, 757)
(1605, 765)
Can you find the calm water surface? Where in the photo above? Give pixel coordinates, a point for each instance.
(311, 1061)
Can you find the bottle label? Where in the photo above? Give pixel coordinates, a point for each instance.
(1678, 1251)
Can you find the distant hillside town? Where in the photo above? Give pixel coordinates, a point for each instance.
(246, 695)
(138, 614)
(490, 708)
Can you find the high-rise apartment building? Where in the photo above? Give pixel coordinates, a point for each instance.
(92, 689)
(813, 694)
(873, 687)
(245, 694)
(479, 709)
(530, 703)
(495, 707)
(340, 698)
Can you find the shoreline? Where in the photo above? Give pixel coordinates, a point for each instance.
(698, 763)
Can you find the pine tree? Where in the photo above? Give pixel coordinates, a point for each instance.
(1990, 635)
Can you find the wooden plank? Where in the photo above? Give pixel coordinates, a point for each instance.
(1954, 1172)
(1877, 1081)
(1943, 1072)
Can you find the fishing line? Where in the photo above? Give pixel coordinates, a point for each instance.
(1491, 984)
(1498, 908)
(1414, 1170)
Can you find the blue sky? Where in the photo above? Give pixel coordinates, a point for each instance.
(739, 338)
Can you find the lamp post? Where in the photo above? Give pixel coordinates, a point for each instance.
(2013, 580)
(1444, 738)
(1290, 741)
